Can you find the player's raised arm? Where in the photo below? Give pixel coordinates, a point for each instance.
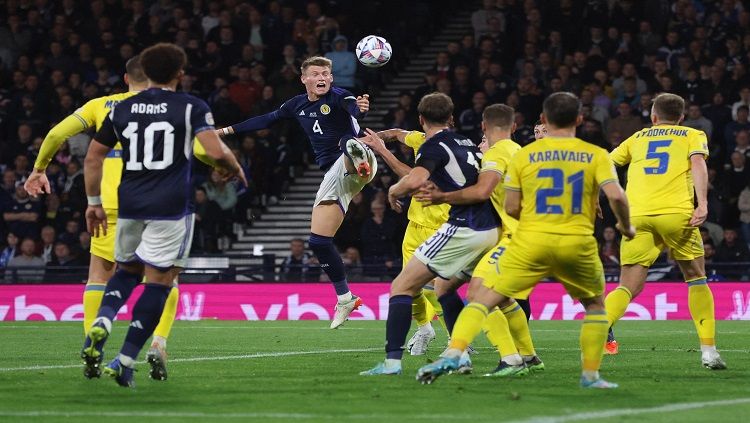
(394, 134)
(375, 142)
(356, 106)
(253, 124)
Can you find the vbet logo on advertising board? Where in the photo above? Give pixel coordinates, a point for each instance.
(315, 301)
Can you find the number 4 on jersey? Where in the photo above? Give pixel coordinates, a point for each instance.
(316, 128)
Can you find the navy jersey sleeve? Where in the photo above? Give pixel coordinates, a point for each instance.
(201, 118)
(348, 102)
(106, 133)
(431, 156)
(264, 121)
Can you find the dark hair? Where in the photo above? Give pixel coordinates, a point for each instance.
(669, 107)
(134, 69)
(499, 115)
(436, 108)
(562, 109)
(162, 62)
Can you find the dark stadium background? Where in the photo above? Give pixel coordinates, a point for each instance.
(244, 60)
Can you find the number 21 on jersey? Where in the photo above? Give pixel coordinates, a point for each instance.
(543, 195)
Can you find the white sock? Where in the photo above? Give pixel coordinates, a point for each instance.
(708, 349)
(160, 341)
(513, 359)
(392, 362)
(345, 298)
(126, 361)
(426, 328)
(528, 358)
(590, 375)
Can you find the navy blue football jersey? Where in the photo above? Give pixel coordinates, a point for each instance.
(156, 128)
(325, 121)
(454, 162)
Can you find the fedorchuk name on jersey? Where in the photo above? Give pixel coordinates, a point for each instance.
(149, 109)
(662, 132)
(560, 156)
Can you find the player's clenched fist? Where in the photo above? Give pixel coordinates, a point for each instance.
(363, 103)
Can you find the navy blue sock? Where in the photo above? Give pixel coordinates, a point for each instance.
(610, 335)
(117, 292)
(330, 261)
(526, 307)
(146, 314)
(452, 306)
(397, 326)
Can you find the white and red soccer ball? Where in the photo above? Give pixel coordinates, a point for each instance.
(373, 51)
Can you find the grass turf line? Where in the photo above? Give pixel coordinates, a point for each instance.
(249, 372)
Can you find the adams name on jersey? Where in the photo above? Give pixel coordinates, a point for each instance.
(156, 128)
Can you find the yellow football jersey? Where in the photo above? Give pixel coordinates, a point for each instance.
(659, 177)
(92, 114)
(559, 180)
(430, 216)
(497, 159)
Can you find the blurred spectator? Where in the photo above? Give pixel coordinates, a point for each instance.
(26, 266)
(348, 234)
(344, 63)
(480, 20)
(626, 124)
(225, 196)
(609, 248)
(740, 123)
(22, 215)
(731, 249)
(743, 101)
(733, 181)
(300, 265)
(63, 256)
(695, 119)
(48, 236)
(743, 204)
(70, 234)
(207, 218)
(353, 262)
(470, 120)
(378, 247)
(10, 250)
(244, 92)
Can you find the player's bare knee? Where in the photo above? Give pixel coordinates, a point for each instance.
(692, 269)
(593, 304)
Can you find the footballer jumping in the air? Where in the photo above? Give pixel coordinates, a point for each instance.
(155, 219)
(667, 169)
(328, 115)
(551, 187)
(102, 263)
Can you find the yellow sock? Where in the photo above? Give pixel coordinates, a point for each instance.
(593, 337)
(169, 313)
(519, 328)
(701, 304)
(497, 331)
(468, 325)
(437, 309)
(616, 303)
(419, 309)
(92, 299)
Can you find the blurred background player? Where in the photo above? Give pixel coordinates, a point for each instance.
(552, 186)
(102, 262)
(155, 219)
(667, 167)
(328, 115)
(503, 328)
(423, 223)
(451, 161)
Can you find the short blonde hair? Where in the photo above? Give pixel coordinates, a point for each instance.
(316, 61)
(669, 107)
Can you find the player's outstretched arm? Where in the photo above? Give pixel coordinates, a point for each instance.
(375, 142)
(37, 183)
(217, 151)
(620, 206)
(96, 218)
(700, 181)
(481, 191)
(394, 134)
(252, 124)
(408, 185)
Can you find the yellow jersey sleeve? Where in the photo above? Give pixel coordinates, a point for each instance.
(497, 159)
(512, 180)
(605, 169)
(200, 153)
(414, 139)
(55, 138)
(621, 155)
(698, 143)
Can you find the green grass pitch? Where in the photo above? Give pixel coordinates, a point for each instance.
(304, 372)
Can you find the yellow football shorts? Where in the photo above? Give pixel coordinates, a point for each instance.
(532, 256)
(104, 245)
(414, 236)
(654, 233)
(488, 267)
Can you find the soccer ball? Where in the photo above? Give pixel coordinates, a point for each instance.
(373, 51)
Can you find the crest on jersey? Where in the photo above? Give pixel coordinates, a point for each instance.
(209, 118)
(325, 109)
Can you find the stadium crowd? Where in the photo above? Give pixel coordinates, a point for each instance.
(244, 60)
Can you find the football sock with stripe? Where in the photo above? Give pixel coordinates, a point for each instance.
(92, 300)
(168, 315)
(330, 261)
(616, 303)
(146, 314)
(496, 329)
(452, 306)
(429, 294)
(419, 307)
(397, 325)
(468, 326)
(593, 337)
(519, 329)
(701, 305)
(118, 290)
(526, 307)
